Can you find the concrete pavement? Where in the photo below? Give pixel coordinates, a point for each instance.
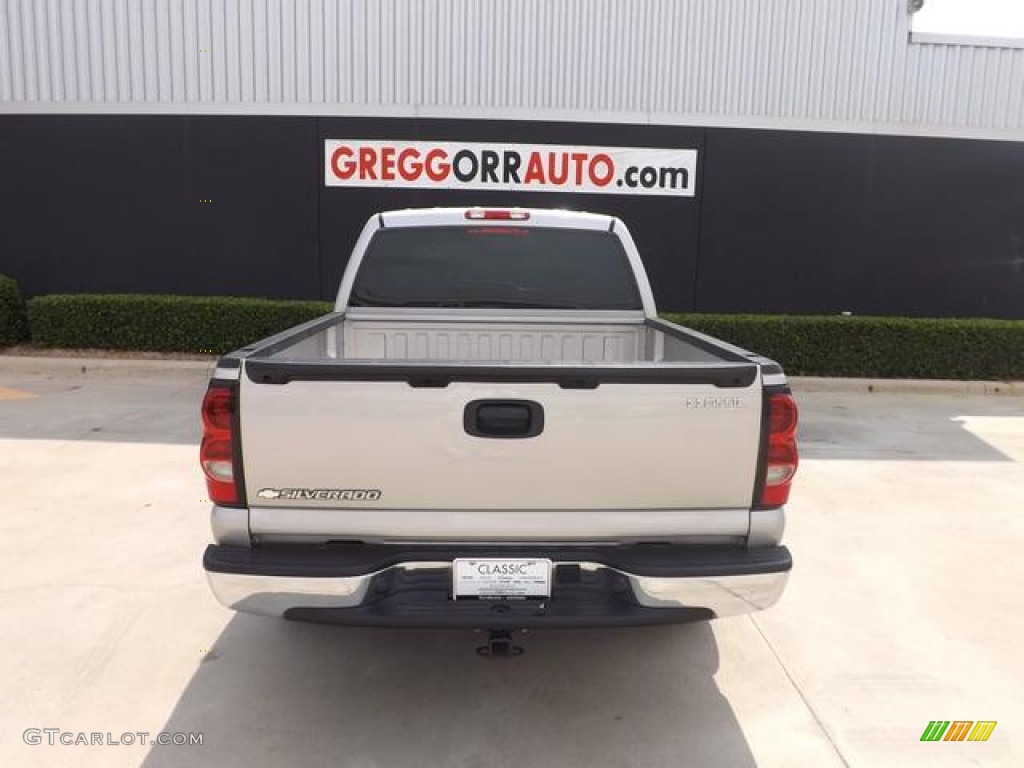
(904, 607)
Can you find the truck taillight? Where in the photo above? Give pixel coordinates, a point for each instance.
(503, 214)
(217, 450)
(782, 456)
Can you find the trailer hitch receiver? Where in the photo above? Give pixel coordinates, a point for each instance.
(499, 644)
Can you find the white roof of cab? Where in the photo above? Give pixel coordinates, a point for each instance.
(538, 217)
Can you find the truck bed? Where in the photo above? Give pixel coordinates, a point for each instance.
(469, 336)
(423, 348)
(356, 396)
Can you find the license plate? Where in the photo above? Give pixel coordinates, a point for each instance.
(501, 577)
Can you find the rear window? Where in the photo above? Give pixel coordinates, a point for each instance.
(495, 267)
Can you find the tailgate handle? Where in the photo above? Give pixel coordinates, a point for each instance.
(503, 418)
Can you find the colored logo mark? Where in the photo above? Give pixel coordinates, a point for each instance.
(958, 730)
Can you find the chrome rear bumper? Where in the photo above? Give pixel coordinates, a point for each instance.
(382, 595)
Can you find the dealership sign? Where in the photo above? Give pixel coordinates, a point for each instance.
(518, 167)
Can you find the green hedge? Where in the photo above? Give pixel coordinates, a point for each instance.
(870, 347)
(13, 326)
(196, 324)
(876, 347)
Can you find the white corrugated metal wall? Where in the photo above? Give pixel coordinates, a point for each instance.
(792, 63)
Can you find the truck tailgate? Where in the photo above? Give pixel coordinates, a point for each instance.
(616, 446)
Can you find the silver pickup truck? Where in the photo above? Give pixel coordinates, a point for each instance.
(495, 430)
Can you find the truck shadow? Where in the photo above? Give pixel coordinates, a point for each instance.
(279, 693)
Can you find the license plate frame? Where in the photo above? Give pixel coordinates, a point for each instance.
(501, 578)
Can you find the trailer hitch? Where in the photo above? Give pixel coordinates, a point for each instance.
(499, 644)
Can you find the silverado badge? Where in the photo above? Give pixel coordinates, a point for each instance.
(319, 494)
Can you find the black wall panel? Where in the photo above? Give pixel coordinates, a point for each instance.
(782, 221)
(944, 228)
(117, 204)
(883, 225)
(260, 228)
